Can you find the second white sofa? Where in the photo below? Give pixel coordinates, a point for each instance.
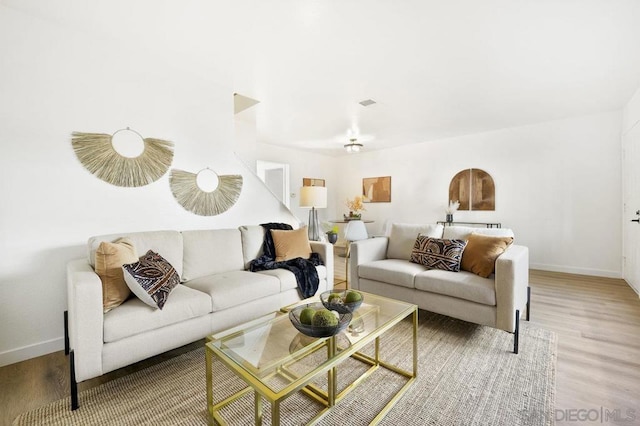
(382, 266)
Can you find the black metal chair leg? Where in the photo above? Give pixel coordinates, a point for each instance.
(516, 334)
(72, 379)
(66, 333)
(528, 303)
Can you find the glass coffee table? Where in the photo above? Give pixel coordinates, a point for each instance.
(276, 361)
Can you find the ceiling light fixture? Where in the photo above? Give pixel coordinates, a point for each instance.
(353, 146)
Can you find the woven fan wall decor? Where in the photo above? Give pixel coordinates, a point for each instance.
(97, 154)
(185, 189)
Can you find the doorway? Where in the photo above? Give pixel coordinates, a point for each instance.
(631, 210)
(276, 178)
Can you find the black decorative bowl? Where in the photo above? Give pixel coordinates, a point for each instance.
(334, 301)
(317, 331)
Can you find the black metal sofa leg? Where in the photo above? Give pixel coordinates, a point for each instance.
(66, 333)
(516, 334)
(72, 381)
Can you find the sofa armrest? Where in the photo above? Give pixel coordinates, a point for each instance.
(325, 250)
(84, 291)
(364, 251)
(512, 280)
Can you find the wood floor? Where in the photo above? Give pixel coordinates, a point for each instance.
(597, 321)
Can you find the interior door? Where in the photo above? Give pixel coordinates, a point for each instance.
(631, 211)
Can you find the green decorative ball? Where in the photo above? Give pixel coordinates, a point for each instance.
(334, 298)
(352, 296)
(324, 318)
(306, 315)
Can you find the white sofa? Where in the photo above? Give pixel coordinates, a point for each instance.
(216, 292)
(381, 266)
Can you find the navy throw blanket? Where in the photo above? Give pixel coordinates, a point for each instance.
(304, 269)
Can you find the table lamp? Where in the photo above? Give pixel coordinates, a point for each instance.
(314, 197)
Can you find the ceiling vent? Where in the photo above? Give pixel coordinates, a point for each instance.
(367, 102)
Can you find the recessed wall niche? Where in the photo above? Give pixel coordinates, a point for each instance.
(474, 189)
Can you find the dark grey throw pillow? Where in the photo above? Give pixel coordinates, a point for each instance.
(151, 278)
(437, 253)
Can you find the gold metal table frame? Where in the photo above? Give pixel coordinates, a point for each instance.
(335, 356)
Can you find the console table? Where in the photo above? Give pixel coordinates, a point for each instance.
(347, 221)
(485, 224)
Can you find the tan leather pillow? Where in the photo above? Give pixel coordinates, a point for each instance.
(481, 252)
(109, 260)
(291, 244)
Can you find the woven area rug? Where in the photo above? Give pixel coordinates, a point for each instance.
(467, 375)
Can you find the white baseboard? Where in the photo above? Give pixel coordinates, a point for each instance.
(31, 351)
(575, 270)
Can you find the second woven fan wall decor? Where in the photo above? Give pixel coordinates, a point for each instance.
(98, 155)
(205, 201)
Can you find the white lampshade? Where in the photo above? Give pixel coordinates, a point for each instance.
(313, 196)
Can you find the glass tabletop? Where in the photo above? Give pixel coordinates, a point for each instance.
(272, 344)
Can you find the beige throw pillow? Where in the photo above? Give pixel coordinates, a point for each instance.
(481, 253)
(291, 244)
(109, 260)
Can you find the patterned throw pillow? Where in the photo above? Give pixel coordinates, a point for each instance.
(151, 278)
(437, 253)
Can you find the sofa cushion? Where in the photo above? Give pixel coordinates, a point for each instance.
(481, 253)
(288, 279)
(403, 236)
(291, 244)
(463, 232)
(167, 243)
(151, 278)
(252, 240)
(233, 288)
(392, 271)
(211, 251)
(134, 316)
(109, 260)
(463, 285)
(438, 253)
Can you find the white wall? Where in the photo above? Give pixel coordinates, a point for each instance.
(558, 185)
(631, 112)
(303, 164)
(55, 80)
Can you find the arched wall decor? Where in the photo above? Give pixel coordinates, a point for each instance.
(98, 155)
(185, 189)
(474, 189)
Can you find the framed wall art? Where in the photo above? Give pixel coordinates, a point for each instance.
(377, 189)
(312, 182)
(474, 189)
